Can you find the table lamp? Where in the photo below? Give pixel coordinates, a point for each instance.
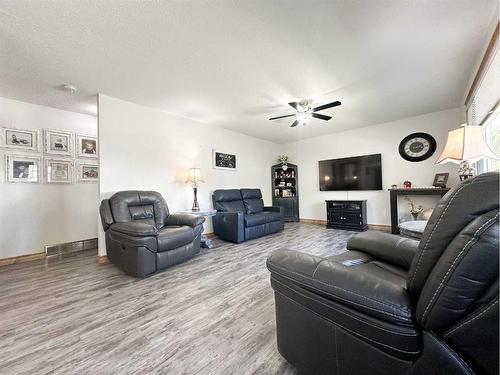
(466, 145)
(194, 178)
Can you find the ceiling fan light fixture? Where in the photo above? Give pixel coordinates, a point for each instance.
(304, 106)
(305, 112)
(304, 117)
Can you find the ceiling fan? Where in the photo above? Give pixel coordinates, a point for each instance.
(306, 112)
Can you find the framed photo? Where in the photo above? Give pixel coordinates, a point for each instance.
(223, 160)
(58, 142)
(88, 172)
(20, 139)
(22, 169)
(58, 171)
(440, 180)
(86, 147)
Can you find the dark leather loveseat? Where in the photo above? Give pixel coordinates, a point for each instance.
(392, 305)
(241, 215)
(142, 237)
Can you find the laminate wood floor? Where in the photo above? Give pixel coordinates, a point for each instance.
(213, 314)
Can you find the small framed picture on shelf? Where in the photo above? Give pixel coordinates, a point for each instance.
(58, 142)
(86, 146)
(440, 180)
(223, 160)
(88, 172)
(58, 171)
(22, 169)
(20, 139)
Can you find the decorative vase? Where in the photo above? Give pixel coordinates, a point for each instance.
(415, 215)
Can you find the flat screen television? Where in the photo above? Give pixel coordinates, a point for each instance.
(354, 173)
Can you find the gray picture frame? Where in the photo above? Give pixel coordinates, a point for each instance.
(13, 171)
(20, 139)
(58, 171)
(440, 180)
(81, 140)
(58, 142)
(84, 175)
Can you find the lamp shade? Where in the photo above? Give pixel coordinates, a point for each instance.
(466, 143)
(194, 176)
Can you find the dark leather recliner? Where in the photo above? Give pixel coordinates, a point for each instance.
(392, 305)
(142, 237)
(241, 215)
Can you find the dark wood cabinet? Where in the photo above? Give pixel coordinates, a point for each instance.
(286, 190)
(350, 215)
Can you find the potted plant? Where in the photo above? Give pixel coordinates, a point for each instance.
(283, 159)
(414, 211)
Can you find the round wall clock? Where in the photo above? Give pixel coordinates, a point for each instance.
(417, 147)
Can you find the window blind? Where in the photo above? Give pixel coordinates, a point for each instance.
(485, 91)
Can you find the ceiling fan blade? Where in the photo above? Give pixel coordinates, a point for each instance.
(275, 118)
(294, 105)
(325, 106)
(321, 117)
(295, 123)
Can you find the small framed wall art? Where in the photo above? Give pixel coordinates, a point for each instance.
(58, 142)
(27, 140)
(223, 160)
(22, 169)
(88, 172)
(58, 171)
(440, 180)
(86, 146)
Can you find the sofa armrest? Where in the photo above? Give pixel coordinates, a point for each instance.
(274, 209)
(384, 246)
(184, 219)
(106, 215)
(354, 286)
(229, 226)
(135, 229)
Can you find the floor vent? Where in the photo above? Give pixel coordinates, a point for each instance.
(71, 247)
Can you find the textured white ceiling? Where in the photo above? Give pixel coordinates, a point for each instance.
(236, 63)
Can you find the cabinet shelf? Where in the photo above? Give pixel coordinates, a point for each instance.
(285, 196)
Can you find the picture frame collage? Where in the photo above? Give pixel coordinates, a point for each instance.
(67, 158)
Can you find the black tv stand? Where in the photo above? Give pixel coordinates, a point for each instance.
(346, 214)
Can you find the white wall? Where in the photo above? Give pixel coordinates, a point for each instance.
(383, 139)
(36, 215)
(147, 149)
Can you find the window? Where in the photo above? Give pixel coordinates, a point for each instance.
(484, 93)
(483, 102)
(492, 136)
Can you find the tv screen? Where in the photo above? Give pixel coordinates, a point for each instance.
(355, 173)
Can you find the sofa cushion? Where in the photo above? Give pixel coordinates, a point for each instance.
(173, 236)
(251, 194)
(254, 206)
(228, 200)
(143, 206)
(252, 198)
(264, 217)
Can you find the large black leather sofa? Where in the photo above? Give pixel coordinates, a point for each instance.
(392, 305)
(142, 237)
(241, 215)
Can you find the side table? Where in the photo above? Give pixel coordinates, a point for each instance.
(413, 229)
(205, 241)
